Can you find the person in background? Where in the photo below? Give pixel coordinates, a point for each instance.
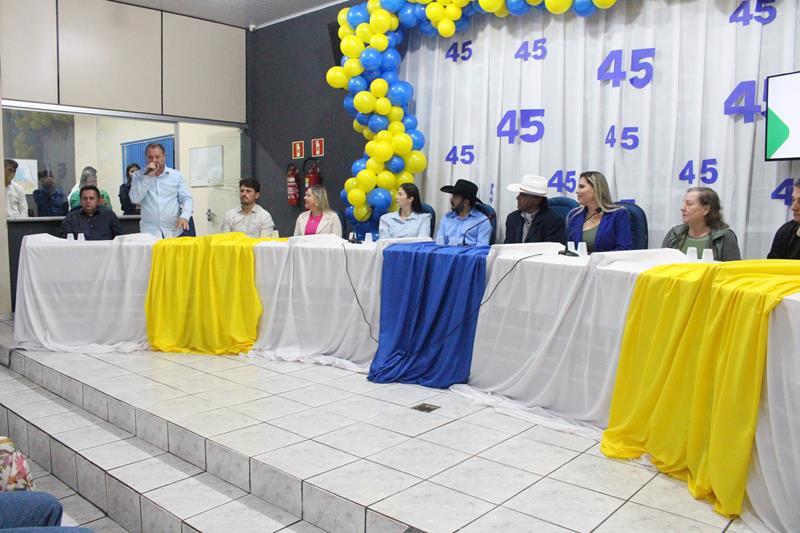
(533, 221)
(49, 198)
(603, 225)
(249, 218)
(409, 220)
(463, 223)
(319, 217)
(16, 203)
(88, 177)
(162, 193)
(786, 244)
(703, 227)
(128, 207)
(93, 220)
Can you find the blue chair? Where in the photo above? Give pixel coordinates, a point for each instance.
(488, 210)
(638, 225)
(427, 208)
(343, 221)
(562, 205)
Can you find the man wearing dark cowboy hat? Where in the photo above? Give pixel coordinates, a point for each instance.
(463, 223)
(533, 221)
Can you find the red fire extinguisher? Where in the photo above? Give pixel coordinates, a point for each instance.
(312, 175)
(292, 187)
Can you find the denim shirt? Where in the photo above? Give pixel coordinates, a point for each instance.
(164, 199)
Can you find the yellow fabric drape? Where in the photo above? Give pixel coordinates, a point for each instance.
(202, 295)
(691, 365)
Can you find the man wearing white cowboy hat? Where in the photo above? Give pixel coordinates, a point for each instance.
(533, 221)
(463, 224)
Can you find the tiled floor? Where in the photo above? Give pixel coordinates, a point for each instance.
(325, 444)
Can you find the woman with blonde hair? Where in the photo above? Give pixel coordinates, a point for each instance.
(703, 227)
(319, 217)
(599, 222)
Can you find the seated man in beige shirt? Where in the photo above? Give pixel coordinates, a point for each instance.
(249, 218)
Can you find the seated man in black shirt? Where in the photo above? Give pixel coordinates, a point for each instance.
(786, 244)
(95, 221)
(533, 221)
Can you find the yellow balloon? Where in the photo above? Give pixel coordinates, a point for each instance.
(491, 5)
(416, 162)
(379, 87)
(404, 177)
(336, 77)
(379, 42)
(461, 3)
(402, 144)
(358, 126)
(423, 2)
(396, 127)
(350, 184)
(453, 12)
(372, 5)
(362, 212)
(386, 179)
(364, 32)
(345, 31)
(534, 2)
(351, 46)
(366, 180)
(375, 166)
(395, 22)
(396, 114)
(352, 67)
(356, 197)
(369, 148)
(364, 102)
(383, 136)
(380, 21)
(502, 12)
(557, 6)
(604, 4)
(341, 18)
(368, 135)
(383, 106)
(446, 27)
(434, 12)
(383, 151)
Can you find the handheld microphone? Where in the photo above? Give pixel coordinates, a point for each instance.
(566, 251)
(490, 216)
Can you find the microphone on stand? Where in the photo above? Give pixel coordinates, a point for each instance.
(566, 251)
(490, 216)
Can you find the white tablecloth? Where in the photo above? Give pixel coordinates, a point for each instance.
(549, 338)
(82, 296)
(310, 308)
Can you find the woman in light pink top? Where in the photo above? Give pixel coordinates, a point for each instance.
(319, 217)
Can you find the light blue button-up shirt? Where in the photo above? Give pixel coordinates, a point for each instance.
(452, 229)
(415, 225)
(164, 199)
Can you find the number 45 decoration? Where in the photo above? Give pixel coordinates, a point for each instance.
(612, 69)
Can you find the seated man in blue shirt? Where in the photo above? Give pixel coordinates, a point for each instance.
(96, 222)
(463, 223)
(49, 198)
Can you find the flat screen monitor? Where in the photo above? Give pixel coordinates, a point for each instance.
(783, 117)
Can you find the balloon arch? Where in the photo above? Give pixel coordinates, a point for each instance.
(378, 100)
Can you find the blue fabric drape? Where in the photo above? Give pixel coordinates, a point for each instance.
(430, 297)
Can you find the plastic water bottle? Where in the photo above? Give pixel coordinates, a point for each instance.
(368, 237)
(691, 253)
(81, 237)
(571, 246)
(708, 255)
(583, 251)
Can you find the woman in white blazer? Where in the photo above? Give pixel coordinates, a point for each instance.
(319, 217)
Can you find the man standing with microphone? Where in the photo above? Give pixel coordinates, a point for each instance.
(463, 224)
(162, 192)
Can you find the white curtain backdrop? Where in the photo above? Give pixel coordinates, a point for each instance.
(700, 59)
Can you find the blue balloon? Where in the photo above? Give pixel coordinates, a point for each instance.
(378, 123)
(393, 6)
(343, 197)
(410, 122)
(395, 164)
(358, 166)
(584, 8)
(357, 15)
(379, 198)
(462, 24)
(419, 12)
(350, 215)
(417, 137)
(427, 28)
(371, 59)
(357, 84)
(343, 61)
(349, 106)
(390, 76)
(478, 9)
(371, 75)
(400, 92)
(467, 11)
(407, 17)
(390, 59)
(519, 7)
(363, 119)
